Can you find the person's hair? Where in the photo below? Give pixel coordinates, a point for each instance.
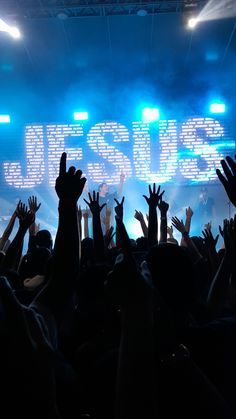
(101, 185)
(142, 243)
(37, 262)
(44, 239)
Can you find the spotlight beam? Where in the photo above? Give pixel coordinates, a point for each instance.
(12, 30)
(218, 9)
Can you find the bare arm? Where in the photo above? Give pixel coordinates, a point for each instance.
(86, 227)
(98, 239)
(153, 201)
(58, 292)
(163, 207)
(139, 216)
(189, 214)
(8, 230)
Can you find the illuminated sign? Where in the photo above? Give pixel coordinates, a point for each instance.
(163, 152)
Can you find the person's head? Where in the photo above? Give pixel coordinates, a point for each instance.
(44, 239)
(142, 244)
(103, 188)
(37, 262)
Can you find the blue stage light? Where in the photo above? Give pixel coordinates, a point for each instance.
(5, 119)
(217, 108)
(81, 116)
(150, 114)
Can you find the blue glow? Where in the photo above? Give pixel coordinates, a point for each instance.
(217, 108)
(150, 114)
(5, 119)
(81, 116)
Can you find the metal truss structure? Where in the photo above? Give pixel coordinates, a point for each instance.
(63, 9)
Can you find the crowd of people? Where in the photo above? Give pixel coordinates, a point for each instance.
(110, 327)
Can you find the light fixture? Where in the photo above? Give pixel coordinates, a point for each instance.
(5, 119)
(192, 22)
(217, 108)
(150, 114)
(81, 116)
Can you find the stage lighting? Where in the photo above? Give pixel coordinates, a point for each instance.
(12, 30)
(5, 119)
(192, 23)
(150, 114)
(81, 116)
(217, 108)
(142, 12)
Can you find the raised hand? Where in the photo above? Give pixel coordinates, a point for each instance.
(33, 204)
(119, 209)
(170, 231)
(26, 218)
(229, 234)
(229, 180)
(138, 215)
(154, 196)
(210, 241)
(93, 203)
(163, 206)
(189, 212)
(179, 225)
(69, 184)
(207, 226)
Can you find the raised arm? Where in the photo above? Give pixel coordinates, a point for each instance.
(86, 226)
(221, 282)
(98, 239)
(153, 201)
(138, 215)
(229, 180)
(119, 210)
(210, 244)
(14, 251)
(189, 214)
(57, 294)
(8, 230)
(179, 225)
(163, 207)
(33, 229)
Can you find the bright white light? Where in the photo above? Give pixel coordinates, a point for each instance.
(81, 116)
(12, 30)
(150, 114)
(5, 119)
(192, 23)
(218, 9)
(217, 108)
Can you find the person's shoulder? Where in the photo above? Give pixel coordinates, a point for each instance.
(112, 195)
